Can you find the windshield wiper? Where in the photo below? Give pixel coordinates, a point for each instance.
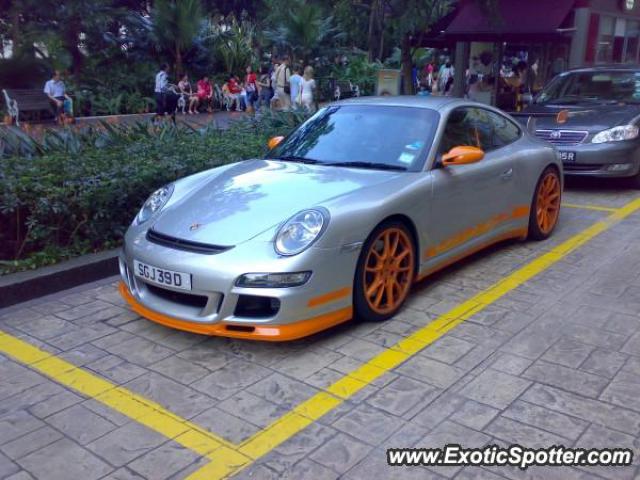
(295, 158)
(372, 165)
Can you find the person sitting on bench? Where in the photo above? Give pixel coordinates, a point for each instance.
(55, 90)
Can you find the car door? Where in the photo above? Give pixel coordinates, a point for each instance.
(470, 203)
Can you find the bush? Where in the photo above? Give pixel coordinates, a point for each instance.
(79, 193)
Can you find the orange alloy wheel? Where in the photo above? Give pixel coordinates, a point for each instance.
(548, 202)
(388, 270)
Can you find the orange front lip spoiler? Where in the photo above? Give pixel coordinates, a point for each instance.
(271, 333)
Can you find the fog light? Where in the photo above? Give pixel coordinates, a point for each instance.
(619, 167)
(273, 280)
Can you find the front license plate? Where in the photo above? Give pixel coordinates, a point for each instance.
(161, 276)
(568, 156)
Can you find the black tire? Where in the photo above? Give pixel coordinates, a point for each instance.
(536, 230)
(634, 182)
(362, 307)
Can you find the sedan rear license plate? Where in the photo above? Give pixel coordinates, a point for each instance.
(161, 276)
(568, 156)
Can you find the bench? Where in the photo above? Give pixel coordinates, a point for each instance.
(345, 89)
(22, 100)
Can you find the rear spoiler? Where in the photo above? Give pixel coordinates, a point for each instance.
(528, 120)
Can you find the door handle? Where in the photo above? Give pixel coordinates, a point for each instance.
(507, 174)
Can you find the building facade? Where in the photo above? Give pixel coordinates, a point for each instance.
(606, 31)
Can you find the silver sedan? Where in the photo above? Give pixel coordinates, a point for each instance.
(339, 219)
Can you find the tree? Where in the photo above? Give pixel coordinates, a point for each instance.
(409, 20)
(233, 41)
(176, 25)
(301, 28)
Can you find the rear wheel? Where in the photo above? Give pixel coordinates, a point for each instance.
(545, 205)
(385, 272)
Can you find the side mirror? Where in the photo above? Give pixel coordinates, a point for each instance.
(462, 156)
(274, 142)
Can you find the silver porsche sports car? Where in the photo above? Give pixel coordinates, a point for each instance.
(339, 219)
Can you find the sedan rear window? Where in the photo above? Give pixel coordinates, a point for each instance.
(363, 135)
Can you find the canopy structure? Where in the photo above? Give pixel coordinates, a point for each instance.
(515, 20)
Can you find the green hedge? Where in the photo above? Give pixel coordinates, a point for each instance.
(79, 193)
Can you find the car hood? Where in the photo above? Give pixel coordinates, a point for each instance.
(591, 118)
(252, 196)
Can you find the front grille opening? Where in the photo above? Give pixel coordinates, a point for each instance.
(186, 245)
(584, 167)
(240, 328)
(187, 299)
(252, 306)
(562, 137)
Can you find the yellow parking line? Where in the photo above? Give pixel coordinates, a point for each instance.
(225, 458)
(134, 406)
(323, 402)
(589, 207)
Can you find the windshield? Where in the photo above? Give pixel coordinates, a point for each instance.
(597, 86)
(362, 136)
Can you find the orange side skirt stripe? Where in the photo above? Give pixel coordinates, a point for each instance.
(517, 233)
(464, 236)
(329, 297)
(274, 333)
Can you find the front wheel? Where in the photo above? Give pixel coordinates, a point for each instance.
(545, 205)
(385, 272)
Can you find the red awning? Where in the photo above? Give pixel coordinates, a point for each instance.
(515, 19)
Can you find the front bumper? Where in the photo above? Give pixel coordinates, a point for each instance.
(324, 301)
(616, 159)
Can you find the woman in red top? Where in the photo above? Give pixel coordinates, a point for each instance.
(205, 93)
(251, 87)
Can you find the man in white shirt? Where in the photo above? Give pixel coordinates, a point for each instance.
(162, 80)
(283, 75)
(55, 90)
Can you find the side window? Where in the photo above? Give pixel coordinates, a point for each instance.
(482, 128)
(504, 131)
(459, 130)
(477, 127)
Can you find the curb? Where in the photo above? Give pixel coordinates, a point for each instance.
(23, 286)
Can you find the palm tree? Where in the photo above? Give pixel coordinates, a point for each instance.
(302, 28)
(233, 41)
(176, 25)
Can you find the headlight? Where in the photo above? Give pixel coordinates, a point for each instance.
(273, 280)
(300, 231)
(154, 203)
(616, 134)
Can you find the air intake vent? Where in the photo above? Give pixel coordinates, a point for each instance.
(187, 245)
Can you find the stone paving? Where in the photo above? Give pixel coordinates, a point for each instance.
(556, 361)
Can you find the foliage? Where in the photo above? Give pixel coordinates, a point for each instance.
(20, 72)
(176, 24)
(73, 192)
(360, 72)
(232, 41)
(408, 20)
(301, 28)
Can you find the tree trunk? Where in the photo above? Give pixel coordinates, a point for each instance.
(381, 31)
(15, 29)
(376, 31)
(77, 58)
(371, 40)
(178, 67)
(407, 66)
